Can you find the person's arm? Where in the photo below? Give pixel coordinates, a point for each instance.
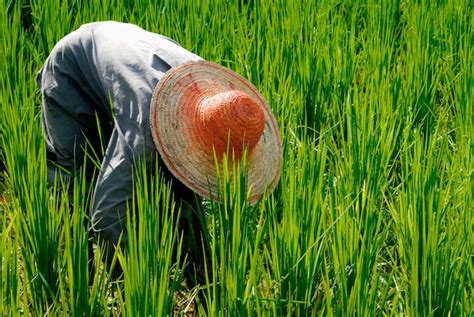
(114, 187)
(129, 62)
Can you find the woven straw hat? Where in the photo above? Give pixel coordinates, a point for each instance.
(200, 110)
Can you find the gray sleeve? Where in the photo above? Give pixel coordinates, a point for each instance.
(113, 191)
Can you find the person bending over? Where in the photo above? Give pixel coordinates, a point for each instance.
(154, 101)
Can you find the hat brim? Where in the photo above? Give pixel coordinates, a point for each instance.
(173, 111)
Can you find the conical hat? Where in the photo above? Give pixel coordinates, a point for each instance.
(200, 111)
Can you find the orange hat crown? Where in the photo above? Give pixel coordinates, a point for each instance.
(230, 119)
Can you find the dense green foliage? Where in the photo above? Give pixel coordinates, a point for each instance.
(374, 211)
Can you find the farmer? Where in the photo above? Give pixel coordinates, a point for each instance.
(152, 100)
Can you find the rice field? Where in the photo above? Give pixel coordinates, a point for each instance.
(373, 214)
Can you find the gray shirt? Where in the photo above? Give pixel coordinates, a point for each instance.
(105, 71)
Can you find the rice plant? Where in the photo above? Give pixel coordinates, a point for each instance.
(373, 212)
